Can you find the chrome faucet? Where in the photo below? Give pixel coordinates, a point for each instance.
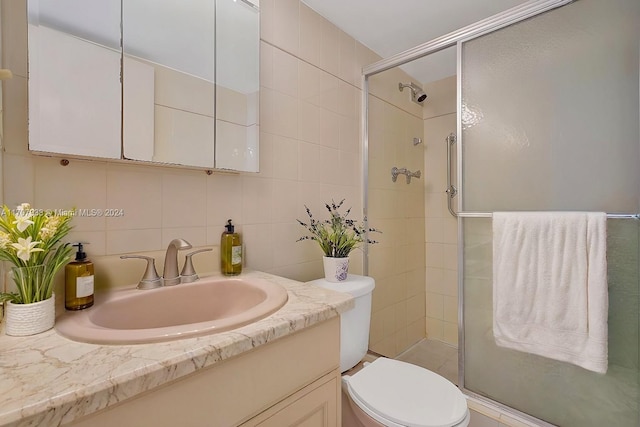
(170, 273)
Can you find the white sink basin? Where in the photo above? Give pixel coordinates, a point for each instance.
(210, 305)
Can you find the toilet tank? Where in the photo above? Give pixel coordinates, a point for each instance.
(354, 324)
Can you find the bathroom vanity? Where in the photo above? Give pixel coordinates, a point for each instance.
(279, 371)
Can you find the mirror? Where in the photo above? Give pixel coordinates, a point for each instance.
(74, 77)
(168, 81)
(237, 84)
(190, 77)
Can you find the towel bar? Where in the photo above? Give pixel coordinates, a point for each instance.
(489, 215)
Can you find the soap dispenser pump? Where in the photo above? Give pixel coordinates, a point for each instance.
(230, 251)
(79, 281)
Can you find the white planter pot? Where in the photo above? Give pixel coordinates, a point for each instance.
(29, 319)
(335, 269)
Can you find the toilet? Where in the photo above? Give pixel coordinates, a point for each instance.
(388, 392)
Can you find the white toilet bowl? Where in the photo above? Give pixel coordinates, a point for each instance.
(388, 392)
(391, 393)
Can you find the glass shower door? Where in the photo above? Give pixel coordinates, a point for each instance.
(549, 122)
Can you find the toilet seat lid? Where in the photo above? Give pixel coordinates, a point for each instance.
(407, 394)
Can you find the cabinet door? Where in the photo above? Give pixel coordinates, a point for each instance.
(74, 77)
(317, 408)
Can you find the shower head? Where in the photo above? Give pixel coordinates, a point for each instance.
(417, 94)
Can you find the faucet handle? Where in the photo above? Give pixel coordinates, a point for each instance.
(150, 279)
(188, 273)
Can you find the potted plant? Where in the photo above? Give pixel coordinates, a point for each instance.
(30, 239)
(337, 237)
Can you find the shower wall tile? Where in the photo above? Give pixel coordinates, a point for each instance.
(450, 333)
(450, 312)
(442, 97)
(450, 283)
(434, 328)
(435, 306)
(441, 228)
(398, 209)
(450, 256)
(434, 230)
(435, 255)
(450, 230)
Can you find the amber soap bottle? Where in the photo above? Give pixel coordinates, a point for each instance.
(78, 281)
(230, 251)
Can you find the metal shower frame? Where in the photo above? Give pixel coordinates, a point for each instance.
(455, 38)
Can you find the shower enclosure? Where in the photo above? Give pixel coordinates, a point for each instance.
(548, 120)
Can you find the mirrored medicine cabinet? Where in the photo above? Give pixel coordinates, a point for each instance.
(157, 81)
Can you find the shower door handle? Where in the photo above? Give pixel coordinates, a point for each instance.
(451, 189)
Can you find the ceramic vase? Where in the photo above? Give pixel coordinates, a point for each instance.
(335, 269)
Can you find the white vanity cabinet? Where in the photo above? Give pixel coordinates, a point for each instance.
(292, 381)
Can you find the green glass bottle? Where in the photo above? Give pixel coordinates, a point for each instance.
(230, 251)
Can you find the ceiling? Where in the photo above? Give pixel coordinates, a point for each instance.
(392, 26)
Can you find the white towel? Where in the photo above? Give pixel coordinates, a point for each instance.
(550, 294)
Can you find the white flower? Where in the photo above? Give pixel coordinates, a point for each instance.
(25, 247)
(23, 213)
(50, 227)
(4, 240)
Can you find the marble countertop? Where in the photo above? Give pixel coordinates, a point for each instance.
(49, 380)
